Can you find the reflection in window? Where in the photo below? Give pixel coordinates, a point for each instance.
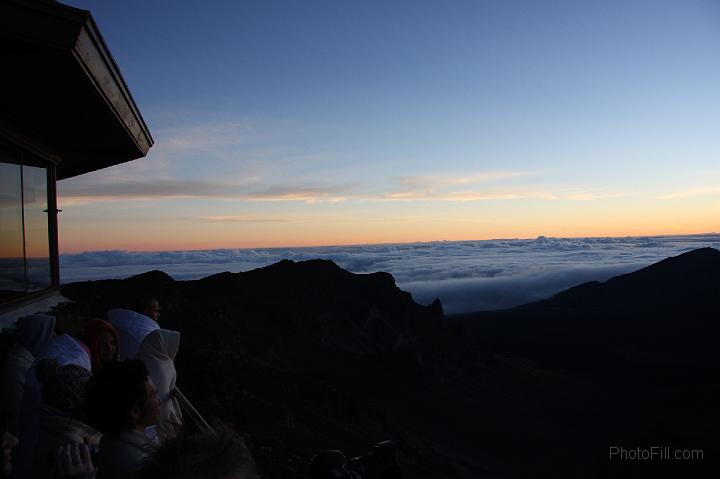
(12, 266)
(25, 264)
(37, 244)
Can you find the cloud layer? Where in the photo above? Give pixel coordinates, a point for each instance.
(466, 275)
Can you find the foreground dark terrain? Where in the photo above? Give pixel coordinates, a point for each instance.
(301, 357)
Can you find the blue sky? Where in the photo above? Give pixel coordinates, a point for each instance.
(300, 123)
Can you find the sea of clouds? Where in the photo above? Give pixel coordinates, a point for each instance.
(465, 275)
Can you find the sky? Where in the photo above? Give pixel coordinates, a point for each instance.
(286, 124)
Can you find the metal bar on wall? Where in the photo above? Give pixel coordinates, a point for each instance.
(22, 216)
(53, 226)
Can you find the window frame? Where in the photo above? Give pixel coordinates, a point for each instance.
(36, 158)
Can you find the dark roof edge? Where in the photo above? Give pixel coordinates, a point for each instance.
(74, 31)
(142, 136)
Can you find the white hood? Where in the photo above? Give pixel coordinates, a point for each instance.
(66, 350)
(158, 352)
(132, 328)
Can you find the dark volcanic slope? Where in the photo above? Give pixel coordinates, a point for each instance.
(668, 311)
(688, 281)
(306, 356)
(643, 346)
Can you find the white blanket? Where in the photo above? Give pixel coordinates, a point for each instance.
(132, 328)
(158, 352)
(66, 350)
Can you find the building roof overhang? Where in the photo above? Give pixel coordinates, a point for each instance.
(62, 92)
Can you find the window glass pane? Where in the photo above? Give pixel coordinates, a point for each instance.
(37, 246)
(12, 268)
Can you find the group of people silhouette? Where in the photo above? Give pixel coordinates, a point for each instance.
(103, 404)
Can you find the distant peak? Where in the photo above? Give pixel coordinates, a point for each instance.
(694, 258)
(154, 275)
(701, 252)
(310, 265)
(326, 263)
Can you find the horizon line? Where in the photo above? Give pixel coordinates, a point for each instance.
(385, 243)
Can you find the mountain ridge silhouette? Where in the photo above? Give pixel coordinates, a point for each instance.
(304, 356)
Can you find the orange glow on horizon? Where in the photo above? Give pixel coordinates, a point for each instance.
(152, 228)
(140, 245)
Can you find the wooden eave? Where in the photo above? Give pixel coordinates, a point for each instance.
(63, 89)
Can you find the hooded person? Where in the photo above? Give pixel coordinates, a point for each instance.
(158, 351)
(65, 350)
(131, 328)
(149, 306)
(61, 412)
(122, 402)
(140, 337)
(33, 334)
(102, 339)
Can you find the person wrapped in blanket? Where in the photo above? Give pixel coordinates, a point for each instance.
(62, 418)
(140, 337)
(122, 402)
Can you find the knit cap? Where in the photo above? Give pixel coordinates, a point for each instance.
(63, 387)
